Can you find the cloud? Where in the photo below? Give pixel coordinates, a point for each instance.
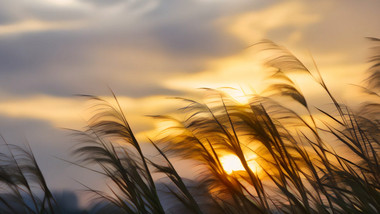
(233, 71)
(253, 26)
(58, 111)
(132, 47)
(35, 26)
(41, 10)
(163, 50)
(103, 2)
(74, 112)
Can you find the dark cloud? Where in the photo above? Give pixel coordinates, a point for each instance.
(195, 38)
(63, 62)
(191, 28)
(134, 54)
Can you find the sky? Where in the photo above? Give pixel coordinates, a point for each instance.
(149, 50)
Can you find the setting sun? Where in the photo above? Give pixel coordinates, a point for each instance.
(236, 94)
(231, 163)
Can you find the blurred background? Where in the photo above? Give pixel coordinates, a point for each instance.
(149, 50)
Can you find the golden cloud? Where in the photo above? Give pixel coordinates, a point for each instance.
(31, 25)
(253, 26)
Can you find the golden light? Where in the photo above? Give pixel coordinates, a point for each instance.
(238, 95)
(231, 163)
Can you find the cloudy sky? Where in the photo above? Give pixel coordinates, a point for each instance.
(148, 50)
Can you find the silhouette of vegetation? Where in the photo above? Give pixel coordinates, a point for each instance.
(22, 182)
(307, 159)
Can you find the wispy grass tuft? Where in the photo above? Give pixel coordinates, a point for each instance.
(22, 182)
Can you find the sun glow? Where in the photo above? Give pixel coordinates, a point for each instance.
(231, 163)
(239, 95)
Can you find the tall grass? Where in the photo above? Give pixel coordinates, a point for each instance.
(294, 144)
(22, 182)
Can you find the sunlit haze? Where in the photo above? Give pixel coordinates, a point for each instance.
(231, 163)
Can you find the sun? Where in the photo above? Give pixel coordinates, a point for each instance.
(238, 95)
(231, 163)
